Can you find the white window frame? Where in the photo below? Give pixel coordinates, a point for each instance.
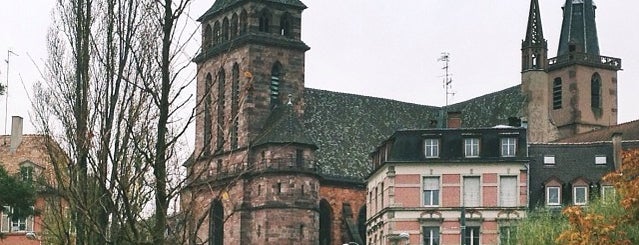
(431, 148)
(508, 147)
(549, 160)
(601, 160)
(7, 224)
(558, 202)
(585, 197)
(471, 147)
(433, 193)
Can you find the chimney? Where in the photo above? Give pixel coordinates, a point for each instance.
(616, 150)
(454, 119)
(16, 133)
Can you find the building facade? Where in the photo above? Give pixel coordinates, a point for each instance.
(28, 157)
(448, 186)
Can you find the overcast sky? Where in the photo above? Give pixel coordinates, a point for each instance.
(379, 48)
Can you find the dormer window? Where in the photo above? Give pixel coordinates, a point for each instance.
(508, 147)
(553, 195)
(29, 171)
(471, 147)
(431, 148)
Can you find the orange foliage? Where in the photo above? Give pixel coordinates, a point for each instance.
(594, 228)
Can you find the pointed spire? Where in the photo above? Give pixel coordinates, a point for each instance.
(534, 32)
(578, 29)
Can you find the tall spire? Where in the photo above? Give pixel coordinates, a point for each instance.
(534, 32)
(534, 48)
(578, 29)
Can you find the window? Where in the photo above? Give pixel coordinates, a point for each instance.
(431, 235)
(234, 26)
(299, 158)
(600, 160)
(235, 104)
(472, 235)
(221, 79)
(508, 191)
(431, 148)
(216, 223)
(243, 22)
(217, 33)
(549, 160)
(553, 195)
(276, 73)
(580, 195)
(431, 191)
(508, 147)
(26, 173)
(225, 29)
(471, 147)
(508, 235)
(556, 93)
(471, 191)
(206, 40)
(285, 25)
(264, 22)
(208, 101)
(608, 193)
(14, 224)
(595, 91)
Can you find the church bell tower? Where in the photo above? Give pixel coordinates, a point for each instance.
(576, 91)
(252, 171)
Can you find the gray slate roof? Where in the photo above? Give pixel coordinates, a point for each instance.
(220, 5)
(347, 127)
(283, 127)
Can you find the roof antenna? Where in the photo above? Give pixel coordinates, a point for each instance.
(6, 92)
(448, 77)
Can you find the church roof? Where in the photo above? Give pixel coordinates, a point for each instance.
(347, 127)
(628, 131)
(579, 28)
(220, 5)
(283, 127)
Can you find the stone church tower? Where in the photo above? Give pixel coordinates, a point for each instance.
(574, 92)
(252, 174)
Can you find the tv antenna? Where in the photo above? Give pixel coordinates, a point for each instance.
(448, 77)
(6, 92)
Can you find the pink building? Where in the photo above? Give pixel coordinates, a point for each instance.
(448, 186)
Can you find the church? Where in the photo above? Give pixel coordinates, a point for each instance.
(276, 162)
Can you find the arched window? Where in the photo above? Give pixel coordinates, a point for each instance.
(595, 91)
(221, 78)
(235, 104)
(326, 219)
(276, 78)
(208, 83)
(361, 223)
(265, 21)
(234, 26)
(206, 37)
(216, 33)
(216, 223)
(285, 25)
(556, 93)
(243, 22)
(225, 29)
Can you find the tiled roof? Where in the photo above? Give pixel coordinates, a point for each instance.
(491, 109)
(629, 131)
(347, 127)
(220, 5)
(282, 126)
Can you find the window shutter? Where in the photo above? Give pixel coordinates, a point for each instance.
(471, 191)
(508, 191)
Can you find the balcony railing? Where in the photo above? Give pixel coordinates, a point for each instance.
(584, 59)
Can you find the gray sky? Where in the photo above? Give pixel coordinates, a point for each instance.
(385, 49)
